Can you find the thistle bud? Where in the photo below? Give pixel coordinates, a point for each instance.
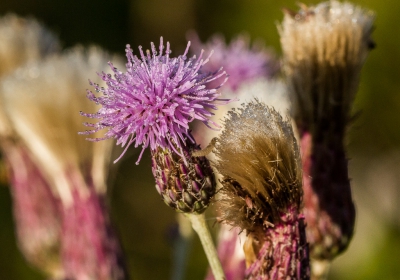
(324, 48)
(259, 160)
(187, 183)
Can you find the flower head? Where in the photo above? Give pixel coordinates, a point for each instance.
(324, 48)
(153, 103)
(241, 61)
(259, 160)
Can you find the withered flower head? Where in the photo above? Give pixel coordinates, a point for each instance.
(324, 48)
(259, 160)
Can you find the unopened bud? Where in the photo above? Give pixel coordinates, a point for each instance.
(185, 184)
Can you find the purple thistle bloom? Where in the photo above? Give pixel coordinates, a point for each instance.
(153, 103)
(242, 61)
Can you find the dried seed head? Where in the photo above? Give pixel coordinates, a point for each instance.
(259, 160)
(324, 48)
(186, 184)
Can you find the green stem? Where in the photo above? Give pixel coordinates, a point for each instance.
(200, 226)
(182, 247)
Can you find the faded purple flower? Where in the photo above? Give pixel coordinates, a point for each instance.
(241, 61)
(153, 103)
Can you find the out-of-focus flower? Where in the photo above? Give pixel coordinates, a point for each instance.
(252, 74)
(23, 40)
(324, 48)
(153, 103)
(43, 111)
(259, 160)
(242, 62)
(37, 211)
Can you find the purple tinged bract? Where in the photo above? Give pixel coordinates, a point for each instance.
(153, 103)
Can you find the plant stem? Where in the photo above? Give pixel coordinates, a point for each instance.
(200, 226)
(182, 247)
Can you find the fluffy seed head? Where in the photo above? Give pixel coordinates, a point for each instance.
(324, 48)
(153, 102)
(259, 160)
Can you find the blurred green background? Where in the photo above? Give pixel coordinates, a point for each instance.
(143, 221)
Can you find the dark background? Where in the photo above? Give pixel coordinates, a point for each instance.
(143, 221)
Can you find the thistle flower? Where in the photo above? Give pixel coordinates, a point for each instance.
(259, 160)
(242, 62)
(23, 40)
(153, 103)
(324, 48)
(41, 110)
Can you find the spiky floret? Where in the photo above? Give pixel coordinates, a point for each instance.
(242, 61)
(153, 103)
(324, 48)
(259, 160)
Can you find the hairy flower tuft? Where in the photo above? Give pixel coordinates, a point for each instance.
(153, 103)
